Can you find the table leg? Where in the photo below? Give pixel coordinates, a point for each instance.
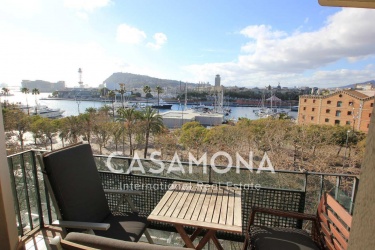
(216, 242)
(195, 234)
(184, 236)
(205, 239)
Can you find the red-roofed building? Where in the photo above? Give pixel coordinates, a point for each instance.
(345, 107)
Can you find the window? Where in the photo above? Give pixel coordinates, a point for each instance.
(313, 109)
(347, 122)
(312, 118)
(328, 102)
(369, 115)
(372, 105)
(304, 108)
(350, 103)
(337, 122)
(340, 95)
(338, 113)
(326, 120)
(328, 111)
(305, 100)
(349, 112)
(313, 101)
(339, 103)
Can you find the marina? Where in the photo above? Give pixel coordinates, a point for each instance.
(73, 107)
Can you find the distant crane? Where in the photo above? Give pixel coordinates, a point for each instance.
(80, 78)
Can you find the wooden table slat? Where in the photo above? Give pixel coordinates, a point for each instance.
(216, 215)
(193, 203)
(205, 205)
(231, 204)
(198, 207)
(211, 208)
(237, 220)
(224, 207)
(188, 203)
(168, 202)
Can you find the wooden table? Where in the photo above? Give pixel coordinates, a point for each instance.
(206, 207)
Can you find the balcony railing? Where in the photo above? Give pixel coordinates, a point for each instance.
(287, 190)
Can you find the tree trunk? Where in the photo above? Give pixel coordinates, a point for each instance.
(338, 152)
(50, 139)
(130, 144)
(146, 143)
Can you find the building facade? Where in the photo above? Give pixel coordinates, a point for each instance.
(346, 107)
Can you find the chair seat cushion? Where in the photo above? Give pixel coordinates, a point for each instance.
(281, 238)
(128, 227)
(98, 242)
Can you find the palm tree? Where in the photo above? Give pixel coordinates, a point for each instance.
(147, 90)
(128, 117)
(159, 90)
(5, 93)
(112, 95)
(153, 123)
(26, 92)
(35, 92)
(122, 91)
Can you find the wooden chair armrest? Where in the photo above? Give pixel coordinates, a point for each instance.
(282, 213)
(81, 225)
(117, 191)
(58, 244)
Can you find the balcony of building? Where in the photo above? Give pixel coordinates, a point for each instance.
(285, 190)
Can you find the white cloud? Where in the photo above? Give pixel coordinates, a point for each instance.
(86, 5)
(21, 8)
(26, 55)
(160, 40)
(130, 35)
(271, 54)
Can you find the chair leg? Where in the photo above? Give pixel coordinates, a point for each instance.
(148, 236)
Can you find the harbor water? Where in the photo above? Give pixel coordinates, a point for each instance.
(72, 107)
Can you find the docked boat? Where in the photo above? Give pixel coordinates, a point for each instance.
(46, 112)
(161, 105)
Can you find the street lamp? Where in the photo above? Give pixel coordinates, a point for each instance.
(347, 139)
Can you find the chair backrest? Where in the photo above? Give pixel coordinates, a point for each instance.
(335, 223)
(76, 184)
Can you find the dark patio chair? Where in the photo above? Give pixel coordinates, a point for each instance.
(330, 229)
(79, 199)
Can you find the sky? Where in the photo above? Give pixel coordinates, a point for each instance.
(248, 43)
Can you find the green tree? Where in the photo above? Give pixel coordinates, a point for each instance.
(35, 92)
(152, 123)
(122, 91)
(129, 119)
(147, 91)
(26, 92)
(193, 135)
(15, 120)
(117, 131)
(48, 128)
(112, 96)
(159, 90)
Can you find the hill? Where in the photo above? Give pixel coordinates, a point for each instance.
(138, 81)
(353, 85)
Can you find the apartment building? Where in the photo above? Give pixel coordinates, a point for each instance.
(345, 107)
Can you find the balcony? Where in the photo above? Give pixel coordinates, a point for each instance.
(286, 190)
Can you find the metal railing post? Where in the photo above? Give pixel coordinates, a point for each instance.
(354, 194)
(337, 187)
(15, 193)
(22, 164)
(37, 190)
